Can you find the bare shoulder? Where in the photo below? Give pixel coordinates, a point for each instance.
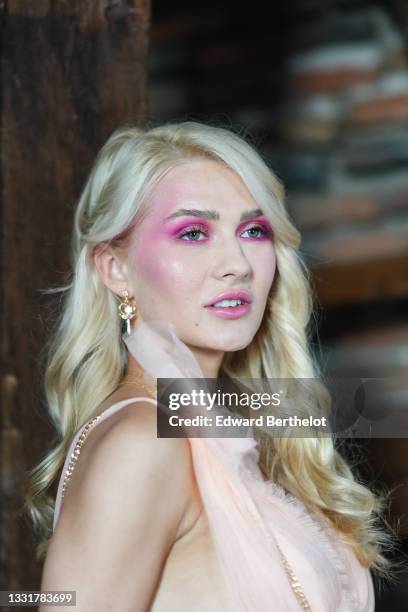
(124, 448)
(130, 437)
(122, 514)
(136, 426)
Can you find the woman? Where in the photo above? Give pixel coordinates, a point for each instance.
(173, 220)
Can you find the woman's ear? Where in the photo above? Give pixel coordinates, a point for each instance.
(111, 267)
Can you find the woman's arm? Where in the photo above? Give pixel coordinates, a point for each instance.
(120, 520)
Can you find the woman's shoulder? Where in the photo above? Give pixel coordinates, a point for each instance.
(134, 416)
(134, 427)
(125, 507)
(128, 440)
(124, 449)
(121, 415)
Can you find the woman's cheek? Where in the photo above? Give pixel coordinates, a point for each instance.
(272, 269)
(264, 267)
(181, 276)
(147, 264)
(161, 267)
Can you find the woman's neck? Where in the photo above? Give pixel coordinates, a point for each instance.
(208, 360)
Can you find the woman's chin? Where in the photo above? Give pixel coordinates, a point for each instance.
(227, 345)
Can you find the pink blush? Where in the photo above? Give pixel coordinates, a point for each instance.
(147, 260)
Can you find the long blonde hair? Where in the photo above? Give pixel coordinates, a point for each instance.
(87, 360)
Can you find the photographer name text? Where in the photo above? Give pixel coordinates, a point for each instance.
(259, 421)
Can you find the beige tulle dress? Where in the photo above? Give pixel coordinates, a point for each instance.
(273, 553)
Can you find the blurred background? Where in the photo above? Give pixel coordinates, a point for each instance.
(320, 87)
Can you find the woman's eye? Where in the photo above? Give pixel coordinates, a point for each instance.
(193, 232)
(256, 229)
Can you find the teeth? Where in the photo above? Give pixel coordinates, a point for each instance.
(226, 303)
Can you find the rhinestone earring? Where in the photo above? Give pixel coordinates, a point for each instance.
(127, 311)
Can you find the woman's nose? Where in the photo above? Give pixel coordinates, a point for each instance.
(231, 259)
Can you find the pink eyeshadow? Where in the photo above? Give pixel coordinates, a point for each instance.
(178, 227)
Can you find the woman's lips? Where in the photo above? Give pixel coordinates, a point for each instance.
(240, 294)
(230, 312)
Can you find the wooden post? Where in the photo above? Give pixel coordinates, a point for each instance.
(72, 72)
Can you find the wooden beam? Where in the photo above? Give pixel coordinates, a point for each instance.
(72, 72)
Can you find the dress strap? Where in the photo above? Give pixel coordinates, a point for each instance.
(77, 443)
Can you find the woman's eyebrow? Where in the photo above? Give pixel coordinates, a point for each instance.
(212, 214)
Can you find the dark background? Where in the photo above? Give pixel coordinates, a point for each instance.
(321, 88)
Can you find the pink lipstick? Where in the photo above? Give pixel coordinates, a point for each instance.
(231, 304)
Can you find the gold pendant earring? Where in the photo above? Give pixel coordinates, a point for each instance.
(127, 311)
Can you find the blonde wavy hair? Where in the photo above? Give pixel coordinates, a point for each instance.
(86, 359)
